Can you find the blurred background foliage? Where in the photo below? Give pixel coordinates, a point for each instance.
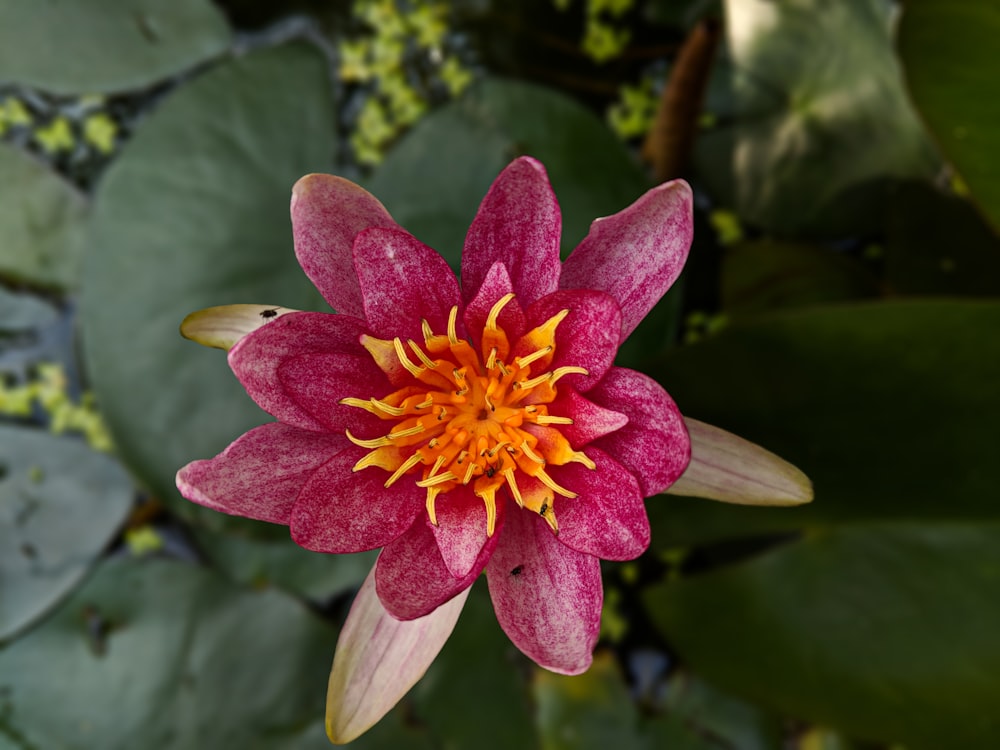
(840, 308)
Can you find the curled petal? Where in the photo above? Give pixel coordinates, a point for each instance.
(328, 212)
(339, 510)
(654, 445)
(461, 529)
(263, 362)
(728, 468)
(587, 337)
(547, 597)
(232, 481)
(636, 254)
(403, 281)
(411, 577)
(607, 518)
(223, 326)
(519, 225)
(379, 658)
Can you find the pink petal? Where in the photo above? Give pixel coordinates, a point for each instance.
(587, 337)
(411, 577)
(607, 519)
(547, 597)
(518, 224)
(340, 510)
(327, 213)
(259, 357)
(403, 281)
(654, 445)
(590, 421)
(461, 529)
(726, 467)
(378, 660)
(636, 254)
(261, 473)
(511, 319)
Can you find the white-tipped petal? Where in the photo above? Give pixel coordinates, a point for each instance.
(224, 325)
(728, 468)
(379, 658)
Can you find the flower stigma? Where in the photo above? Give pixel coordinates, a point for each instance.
(473, 417)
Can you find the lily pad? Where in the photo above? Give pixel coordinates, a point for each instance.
(42, 218)
(434, 179)
(886, 631)
(106, 46)
(194, 213)
(166, 655)
(948, 50)
(813, 116)
(60, 505)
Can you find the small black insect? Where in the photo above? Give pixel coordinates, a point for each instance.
(269, 313)
(490, 471)
(544, 509)
(517, 571)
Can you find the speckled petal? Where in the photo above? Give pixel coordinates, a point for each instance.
(461, 529)
(587, 337)
(403, 281)
(636, 254)
(261, 473)
(547, 597)
(339, 510)
(590, 421)
(518, 224)
(411, 577)
(608, 517)
(283, 365)
(654, 445)
(496, 285)
(328, 212)
(379, 658)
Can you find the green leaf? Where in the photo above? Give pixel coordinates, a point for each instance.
(938, 244)
(42, 218)
(106, 46)
(885, 631)
(813, 116)
(948, 50)
(433, 181)
(888, 408)
(60, 505)
(166, 655)
(194, 213)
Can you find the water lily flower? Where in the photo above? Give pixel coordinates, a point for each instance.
(463, 427)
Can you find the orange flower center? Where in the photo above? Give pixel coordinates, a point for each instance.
(471, 419)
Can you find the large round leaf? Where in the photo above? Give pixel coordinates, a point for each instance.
(812, 116)
(890, 409)
(41, 219)
(60, 505)
(888, 632)
(194, 213)
(948, 48)
(433, 181)
(106, 46)
(164, 655)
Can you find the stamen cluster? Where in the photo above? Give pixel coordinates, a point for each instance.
(474, 417)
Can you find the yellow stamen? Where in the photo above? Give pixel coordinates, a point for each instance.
(439, 479)
(432, 493)
(549, 482)
(428, 362)
(373, 443)
(408, 464)
(413, 369)
(561, 371)
(533, 357)
(550, 419)
(452, 319)
(491, 319)
(514, 489)
(582, 458)
(531, 454)
(489, 497)
(425, 328)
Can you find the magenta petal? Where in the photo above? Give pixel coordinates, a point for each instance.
(258, 357)
(636, 254)
(461, 529)
(608, 517)
(403, 281)
(654, 445)
(261, 473)
(590, 421)
(327, 213)
(547, 597)
(411, 577)
(340, 510)
(587, 337)
(497, 284)
(518, 224)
